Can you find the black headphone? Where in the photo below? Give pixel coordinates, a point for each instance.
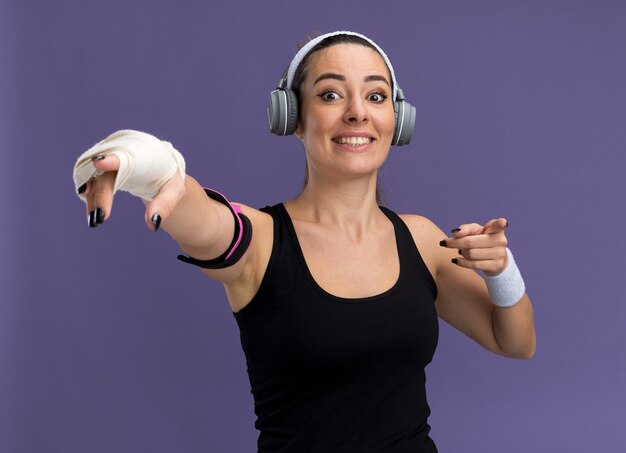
(282, 113)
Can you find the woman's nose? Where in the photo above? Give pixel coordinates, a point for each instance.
(356, 111)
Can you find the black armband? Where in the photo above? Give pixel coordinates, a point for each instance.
(238, 246)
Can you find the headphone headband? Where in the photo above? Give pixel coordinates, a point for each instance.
(304, 51)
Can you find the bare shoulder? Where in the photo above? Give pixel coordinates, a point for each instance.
(420, 224)
(427, 236)
(259, 219)
(423, 229)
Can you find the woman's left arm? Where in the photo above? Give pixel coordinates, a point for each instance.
(464, 300)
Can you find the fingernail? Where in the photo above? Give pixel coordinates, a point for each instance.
(455, 261)
(443, 243)
(507, 224)
(99, 216)
(456, 230)
(100, 157)
(156, 221)
(92, 219)
(460, 252)
(82, 189)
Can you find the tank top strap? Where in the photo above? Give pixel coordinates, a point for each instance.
(410, 257)
(284, 234)
(285, 242)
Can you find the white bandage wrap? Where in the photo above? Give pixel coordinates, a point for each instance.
(507, 288)
(146, 163)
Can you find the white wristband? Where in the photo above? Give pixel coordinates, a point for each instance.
(146, 163)
(507, 288)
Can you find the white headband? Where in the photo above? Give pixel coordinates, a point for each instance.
(309, 45)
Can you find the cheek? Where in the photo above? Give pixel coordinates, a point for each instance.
(392, 119)
(386, 123)
(315, 125)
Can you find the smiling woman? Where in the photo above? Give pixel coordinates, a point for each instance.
(337, 299)
(347, 120)
(298, 70)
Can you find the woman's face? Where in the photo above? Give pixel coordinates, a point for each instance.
(347, 119)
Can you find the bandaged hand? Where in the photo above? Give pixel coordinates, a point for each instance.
(484, 248)
(134, 162)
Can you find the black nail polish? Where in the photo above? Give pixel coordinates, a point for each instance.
(507, 224)
(443, 243)
(99, 216)
(156, 221)
(460, 252)
(92, 219)
(455, 261)
(456, 230)
(81, 190)
(100, 157)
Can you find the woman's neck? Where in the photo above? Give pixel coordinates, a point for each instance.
(345, 204)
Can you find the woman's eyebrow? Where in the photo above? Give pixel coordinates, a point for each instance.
(376, 78)
(335, 76)
(330, 75)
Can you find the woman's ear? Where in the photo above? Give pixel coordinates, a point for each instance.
(298, 131)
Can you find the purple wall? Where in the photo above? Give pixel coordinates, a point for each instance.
(108, 344)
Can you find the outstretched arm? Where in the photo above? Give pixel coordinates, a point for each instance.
(202, 227)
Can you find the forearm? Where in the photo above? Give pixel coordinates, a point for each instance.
(514, 329)
(201, 226)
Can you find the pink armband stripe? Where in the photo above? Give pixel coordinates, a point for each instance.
(236, 211)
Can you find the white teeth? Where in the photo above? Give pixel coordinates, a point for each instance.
(354, 140)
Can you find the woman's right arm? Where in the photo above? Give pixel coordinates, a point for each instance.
(202, 227)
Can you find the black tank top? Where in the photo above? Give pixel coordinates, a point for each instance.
(336, 375)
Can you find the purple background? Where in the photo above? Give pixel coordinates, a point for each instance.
(109, 344)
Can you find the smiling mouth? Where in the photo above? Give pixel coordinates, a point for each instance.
(354, 141)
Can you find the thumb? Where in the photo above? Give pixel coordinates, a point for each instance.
(496, 226)
(106, 162)
(164, 202)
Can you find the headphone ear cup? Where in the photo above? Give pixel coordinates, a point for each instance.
(404, 114)
(282, 112)
(292, 112)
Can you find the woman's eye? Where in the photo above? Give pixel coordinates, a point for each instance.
(329, 96)
(377, 97)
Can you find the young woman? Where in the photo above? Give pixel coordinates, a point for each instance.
(337, 299)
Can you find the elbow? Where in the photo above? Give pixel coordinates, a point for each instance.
(527, 355)
(521, 354)
(531, 352)
(521, 349)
